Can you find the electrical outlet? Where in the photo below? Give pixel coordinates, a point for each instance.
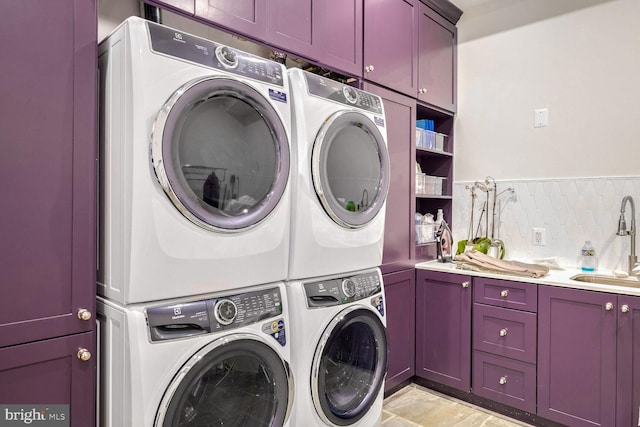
(539, 237)
(541, 118)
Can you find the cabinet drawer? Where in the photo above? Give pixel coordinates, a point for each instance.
(505, 332)
(503, 293)
(504, 380)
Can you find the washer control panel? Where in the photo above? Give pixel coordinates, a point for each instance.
(216, 314)
(344, 94)
(201, 51)
(342, 290)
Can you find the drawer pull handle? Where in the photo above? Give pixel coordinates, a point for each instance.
(503, 380)
(503, 332)
(608, 306)
(504, 293)
(624, 308)
(465, 284)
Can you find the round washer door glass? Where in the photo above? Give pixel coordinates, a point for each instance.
(349, 367)
(240, 383)
(221, 153)
(350, 168)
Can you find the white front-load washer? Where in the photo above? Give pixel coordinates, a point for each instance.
(218, 361)
(339, 349)
(194, 166)
(340, 177)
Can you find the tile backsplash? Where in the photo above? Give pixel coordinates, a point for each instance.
(570, 210)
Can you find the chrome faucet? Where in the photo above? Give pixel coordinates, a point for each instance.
(622, 231)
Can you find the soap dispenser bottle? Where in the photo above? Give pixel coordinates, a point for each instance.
(444, 239)
(588, 259)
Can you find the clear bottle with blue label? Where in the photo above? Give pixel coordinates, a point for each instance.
(588, 260)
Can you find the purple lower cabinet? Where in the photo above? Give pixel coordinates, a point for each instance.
(505, 380)
(443, 328)
(400, 294)
(51, 372)
(628, 397)
(576, 356)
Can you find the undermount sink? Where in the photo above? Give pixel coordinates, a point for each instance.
(605, 279)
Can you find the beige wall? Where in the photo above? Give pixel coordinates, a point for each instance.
(578, 58)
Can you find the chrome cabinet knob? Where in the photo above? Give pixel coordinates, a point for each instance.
(624, 308)
(608, 306)
(84, 354)
(84, 314)
(504, 293)
(422, 90)
(503, 380)
(465, 284)
(368, 68)
(503, 332)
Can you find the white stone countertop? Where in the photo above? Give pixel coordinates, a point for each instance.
(561, 278)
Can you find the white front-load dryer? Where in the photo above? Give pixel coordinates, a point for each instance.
(340, 177)
(194, 166)
(222, 360)
(339, 349)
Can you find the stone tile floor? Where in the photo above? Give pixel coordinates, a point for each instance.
(415, 405)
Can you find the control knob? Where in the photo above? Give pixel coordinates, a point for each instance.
(226, 56)
(225, 311)
(349, 288)
(350, 94)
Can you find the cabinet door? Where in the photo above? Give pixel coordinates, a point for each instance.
(391, 44)
(289, 26)
(185, 6)
(443, 328)
(49, 372)
(628, 398)
(246, 17)
(398, 228)
(437, 60)
(576, 356)
(400, 293)
(47, 167)
(337, 27)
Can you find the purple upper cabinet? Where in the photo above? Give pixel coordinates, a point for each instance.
(391, 44)
(289, 26)
(247, 17)
(50, 372)
(443, 328)
(337, 26)
(628, 398)
(437, 60)
(47, 167)
(577, 356)
(185, 6)
(398, 227)
(400, 294)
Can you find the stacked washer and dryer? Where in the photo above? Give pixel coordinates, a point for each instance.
(340, 182)
(194, 233)
(241, 226)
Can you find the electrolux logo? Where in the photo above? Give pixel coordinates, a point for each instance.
(35, 415)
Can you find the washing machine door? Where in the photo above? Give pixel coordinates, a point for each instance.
(349, 366)
(236, 381)
(350, 168)
(221, 153)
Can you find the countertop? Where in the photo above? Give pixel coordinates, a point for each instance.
(559, 278)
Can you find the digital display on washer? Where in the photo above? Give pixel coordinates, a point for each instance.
(211, 315)
(205, 52)
(344, 94)
(342, 290)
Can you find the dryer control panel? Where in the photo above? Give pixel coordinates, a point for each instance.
(214, 314)
(205, 52)
(342, 290)
(344, 94)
